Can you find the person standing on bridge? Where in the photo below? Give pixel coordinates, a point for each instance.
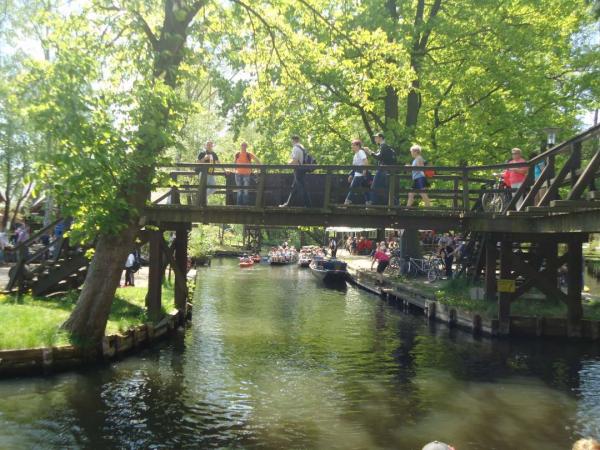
(208, 156)
(418, 177)
(357, 178)
(385, 157)
(516, 176)
(242, 174)
(298, 186)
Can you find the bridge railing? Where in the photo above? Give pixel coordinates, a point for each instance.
(569, 169)
(192, 184)
(563, 175)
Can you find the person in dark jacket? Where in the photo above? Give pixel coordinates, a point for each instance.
(385, 157)
(333, 245)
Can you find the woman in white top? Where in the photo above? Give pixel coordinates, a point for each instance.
(357, 177)
(418, 177)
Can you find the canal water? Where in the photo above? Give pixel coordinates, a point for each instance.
(274, 360)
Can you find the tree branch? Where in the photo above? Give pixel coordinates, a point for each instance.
(470, 105)
(147, 30)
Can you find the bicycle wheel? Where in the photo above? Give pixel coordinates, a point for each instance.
(432, 274)
(395, 263)
(493, 202)
(392, 271)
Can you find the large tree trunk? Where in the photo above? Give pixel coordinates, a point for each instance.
(87, 322)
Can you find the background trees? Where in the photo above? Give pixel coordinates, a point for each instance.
(468, 79)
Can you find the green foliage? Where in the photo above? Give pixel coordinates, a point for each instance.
(203, 241)
(108, 110)
(487, 76)
(19, 145)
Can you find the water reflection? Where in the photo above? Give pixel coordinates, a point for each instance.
(274, 360)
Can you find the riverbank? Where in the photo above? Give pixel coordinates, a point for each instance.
(31, 341)
(451, 301)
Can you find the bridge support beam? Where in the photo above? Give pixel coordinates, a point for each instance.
(491, 255)
(181, 259)
(155, 276)
(504, 298)
(574, 287)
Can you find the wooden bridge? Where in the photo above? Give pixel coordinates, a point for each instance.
(525, 236)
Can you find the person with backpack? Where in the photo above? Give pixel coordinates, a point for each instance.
(418, 177)
(132, 265)
(386, 156)
(243, 174)
(298, 158)
(208, 156)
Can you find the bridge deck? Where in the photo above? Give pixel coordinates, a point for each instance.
(584, 221)
(561, 199)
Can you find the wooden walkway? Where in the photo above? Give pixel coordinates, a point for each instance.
(562, 199)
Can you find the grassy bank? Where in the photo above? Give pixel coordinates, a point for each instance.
(456, 293)
(35, 322)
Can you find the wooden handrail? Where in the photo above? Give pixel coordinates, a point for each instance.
(36, 236)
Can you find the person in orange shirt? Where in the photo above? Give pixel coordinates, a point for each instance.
(242, 174)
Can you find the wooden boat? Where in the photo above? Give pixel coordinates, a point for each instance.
(246, 262)
(304, 259)
(307, 253)
(282, 259)
(329, 270)
(256, 258)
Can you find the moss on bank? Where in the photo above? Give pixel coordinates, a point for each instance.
(35, 322)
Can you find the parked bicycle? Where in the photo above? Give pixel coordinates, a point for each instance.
(416, 267)
(395, 265)
(497, 201)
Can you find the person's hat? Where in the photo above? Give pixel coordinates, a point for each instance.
(435, 445)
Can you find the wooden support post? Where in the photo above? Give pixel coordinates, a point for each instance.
(549, 250)
(175, 198)
(504, 297)
(260, 188)
(392, 189)
(327, 191)
(154, 295)
(465, 186)
(455, 195)
(576, 162)
(201, 200)
(181, 258)
(586, 177)
(491, 255)
(574, 287)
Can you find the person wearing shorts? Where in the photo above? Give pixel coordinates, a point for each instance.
(418, 177)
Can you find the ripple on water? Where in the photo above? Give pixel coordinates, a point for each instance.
(273, 360)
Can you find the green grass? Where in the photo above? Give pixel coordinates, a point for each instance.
(455, 293)
(35, 322)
